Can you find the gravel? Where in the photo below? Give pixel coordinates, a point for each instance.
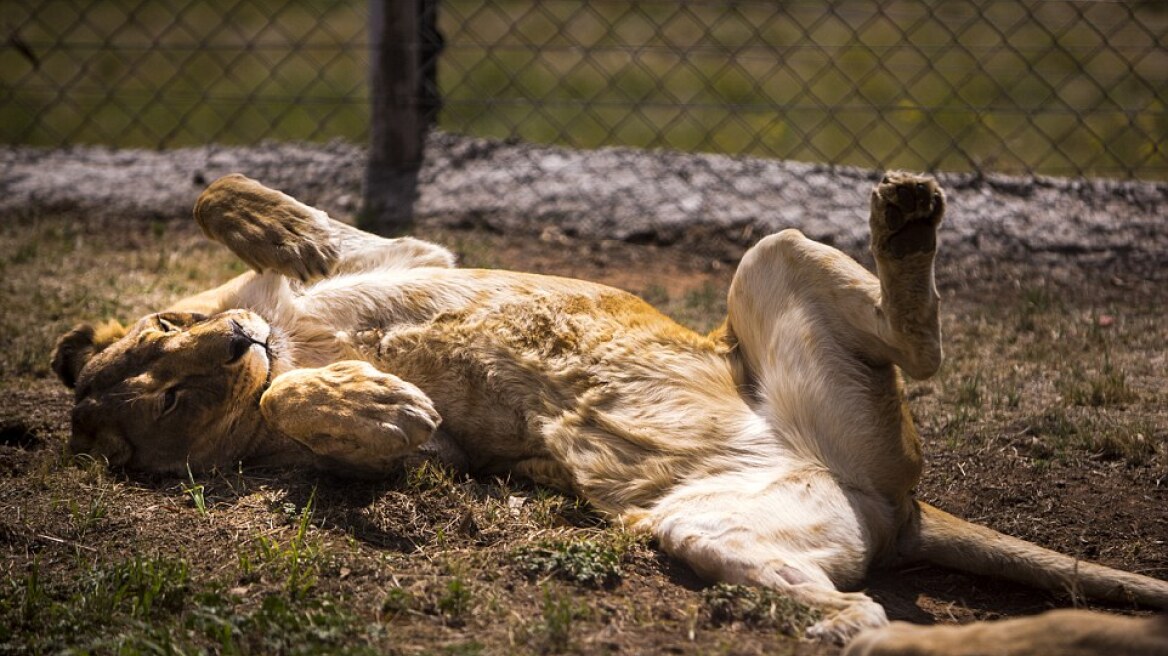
(617, 193)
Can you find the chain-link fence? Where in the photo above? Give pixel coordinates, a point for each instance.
(165, 73)
(1062, 87)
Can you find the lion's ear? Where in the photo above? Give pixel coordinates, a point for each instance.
(79, 345)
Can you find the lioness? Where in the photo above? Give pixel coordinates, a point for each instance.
(777, 451)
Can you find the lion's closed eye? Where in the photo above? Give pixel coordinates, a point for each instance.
(173, 322)
(167, 402)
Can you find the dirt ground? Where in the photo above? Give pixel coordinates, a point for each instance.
(1047, 422)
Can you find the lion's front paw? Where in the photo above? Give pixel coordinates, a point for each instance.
(268, 230)
(352, 412)
(906, 210)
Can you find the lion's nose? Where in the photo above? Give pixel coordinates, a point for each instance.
(239, 343)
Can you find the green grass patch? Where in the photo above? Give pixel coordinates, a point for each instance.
(1105, 387)
(591, 563)
(725, 603)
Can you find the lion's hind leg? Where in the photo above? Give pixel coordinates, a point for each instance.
(792, 532)
(735, 553)
(787, 285)
(271, 231)
(906, 210)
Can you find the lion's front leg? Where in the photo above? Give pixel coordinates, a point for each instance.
(271, 231)
(351, 413)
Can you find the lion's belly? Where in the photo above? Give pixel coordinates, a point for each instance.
(624, 419)
(488, 403)
(500, 379)
(527, 367)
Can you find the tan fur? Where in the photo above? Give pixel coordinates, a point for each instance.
(777, 451)
(1057, 632)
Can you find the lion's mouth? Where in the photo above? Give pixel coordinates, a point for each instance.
(269, 362)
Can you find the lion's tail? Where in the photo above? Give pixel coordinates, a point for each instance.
(946, 540)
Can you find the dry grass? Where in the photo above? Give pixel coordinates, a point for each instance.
(1047, 421)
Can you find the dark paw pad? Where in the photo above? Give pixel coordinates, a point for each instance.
(906, 210)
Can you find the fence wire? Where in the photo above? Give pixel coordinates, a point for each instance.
(1060, 87)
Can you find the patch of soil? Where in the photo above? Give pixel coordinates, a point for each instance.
(697, 201)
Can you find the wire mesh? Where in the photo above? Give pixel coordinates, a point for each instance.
(165, 73)
(1060, 87)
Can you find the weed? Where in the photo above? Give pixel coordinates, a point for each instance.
(196, 492)
(958, 423)
(1127, 446)
(280, 625)
(1055, 427)
(1038, 299)
(310, 626)
(1057, 433)
(25, 253)
(1035, 304)
(247, 567)
(140, 587)
(157, 229)
(969, 391)
(290, 513)
(397, 601)
(301, 552)
(430, 475)
(586, 562)
(550, 509)
(473, 253)
(472, 648)
(1108, 387)
(27, 356)
(1012, 398)
(34, 597)
(702, 308)
(86, 517)
(456, 600)
(726, 604)
(703, 298)
(298, 561)
(558, 613)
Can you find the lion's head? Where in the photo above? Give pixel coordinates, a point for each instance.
(175, 390)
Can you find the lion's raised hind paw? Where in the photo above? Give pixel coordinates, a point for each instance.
(268, 230)
(906, 210)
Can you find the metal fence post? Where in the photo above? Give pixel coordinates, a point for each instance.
(397, 126)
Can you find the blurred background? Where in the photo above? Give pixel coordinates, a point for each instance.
(1051, 87)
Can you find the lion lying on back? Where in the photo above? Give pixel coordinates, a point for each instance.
(777, 451)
